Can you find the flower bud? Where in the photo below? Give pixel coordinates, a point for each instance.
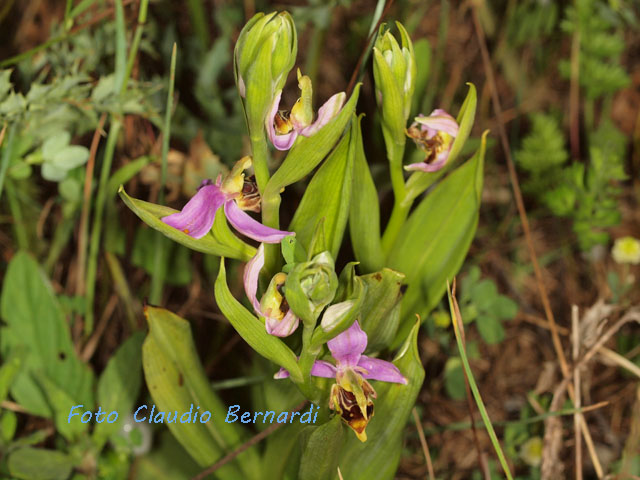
(311, 286)
(394, 70)
(264, 54)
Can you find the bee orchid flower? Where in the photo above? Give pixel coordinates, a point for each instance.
(352, 395)
(279, 319)
(234, 194)
(434, 135)
(284, 127)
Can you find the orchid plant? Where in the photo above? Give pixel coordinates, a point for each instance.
(350, 322)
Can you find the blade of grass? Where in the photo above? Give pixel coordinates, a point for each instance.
(6, 153)
(456, 320)
(160, 264)
(135, 45)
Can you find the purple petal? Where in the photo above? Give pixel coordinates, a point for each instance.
(282, 328)
(281, 142)
(347, 347)
(376, 369)
(327, 111)
(439, 120)
(320, 368)
(251, 275)
(430, 167)
(196, 217)
(250, 227)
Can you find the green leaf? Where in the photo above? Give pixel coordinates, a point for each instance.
(35, 323)
(253, 330)
(308, 152)
(119, 384)
(39, 464)
(8, 426)
(327, 196)
(454, 379)
(483, 294)
(380, 313)
(61, 403)
(55, 144)
(490, 329)
(379, 456)
(320, 457)
(8, 371)
(176, 381)
(364, 213)
(219, 241)
(503, 308)
(432, 245)
(70, 157)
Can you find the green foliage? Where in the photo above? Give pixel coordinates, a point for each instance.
(531, 19)
(588, 194)
(600, 47)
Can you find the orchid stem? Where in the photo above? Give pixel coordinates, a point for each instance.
(260, 162)
(395, 153)
(307, 358)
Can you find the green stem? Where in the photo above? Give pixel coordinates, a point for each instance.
(60, 239)
(135, 45)
(398, 217)
(457, 330)
(6, 156)
(160, 260)
(18, 220)
(260, 162)
(198, 16)
(307, 358)
(96, 230)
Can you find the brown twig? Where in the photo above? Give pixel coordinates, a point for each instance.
(92, 343)
(2, 132)
(423, 442)
(246, 445)
(374, 32)
(577, 417)
(557, 344)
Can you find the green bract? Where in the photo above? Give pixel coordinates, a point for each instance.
(264, 54)
(394, 71)
(311, 286)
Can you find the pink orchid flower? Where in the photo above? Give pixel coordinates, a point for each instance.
(434, 136)
(352, 396)
(234, 194)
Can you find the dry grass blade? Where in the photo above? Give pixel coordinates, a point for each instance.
(423, 442)
(577, 417)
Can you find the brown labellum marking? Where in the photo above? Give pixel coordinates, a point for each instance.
(281, 122)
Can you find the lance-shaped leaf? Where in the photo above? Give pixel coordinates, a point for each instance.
(432, 245)
(420, 181)
(320, 456)
(308, 152)
(379, 456)
(35, 324)
(380, 313)
(252, 330)
(327, 196)
(40, 464)
(219, 241)
(119, 384)
(364, 211)
(176, 380)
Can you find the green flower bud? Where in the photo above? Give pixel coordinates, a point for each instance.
(264, 54)
(394, 71)
(311, 286)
